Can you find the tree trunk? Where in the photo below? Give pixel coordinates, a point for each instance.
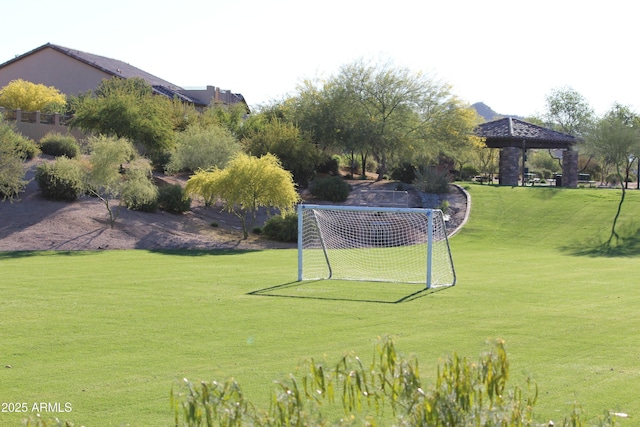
(382, 168)
(615, 219)
(363, 160)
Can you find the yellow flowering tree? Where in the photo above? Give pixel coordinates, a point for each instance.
(32, 97)
(246, 184)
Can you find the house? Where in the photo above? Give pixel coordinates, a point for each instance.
(73, 72)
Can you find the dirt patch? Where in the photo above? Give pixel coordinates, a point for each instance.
(35, 223)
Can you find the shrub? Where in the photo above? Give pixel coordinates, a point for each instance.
(139, 193)
(19, 145)
(203, 148)
(27, 148)
(172, 198)
(444, 206)
(329, 164)
(282, 228)
(57, 144)
(12, 172)
(61, 179)
(431, 180)
(406, 173)
(333, 189)
(468, 172)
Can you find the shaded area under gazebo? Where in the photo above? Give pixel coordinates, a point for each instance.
(514, 137)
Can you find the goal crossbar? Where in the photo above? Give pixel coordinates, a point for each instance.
(367, 243)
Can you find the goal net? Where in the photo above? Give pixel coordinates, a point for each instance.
(404, 245)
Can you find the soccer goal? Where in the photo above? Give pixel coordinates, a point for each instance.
(405, 245)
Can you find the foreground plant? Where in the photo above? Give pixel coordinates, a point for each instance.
(389, 391)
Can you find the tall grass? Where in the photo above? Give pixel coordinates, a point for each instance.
(111, 332)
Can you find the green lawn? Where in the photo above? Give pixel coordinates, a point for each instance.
(111, 332)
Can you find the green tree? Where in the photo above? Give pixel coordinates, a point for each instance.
(285, 141)
(386, 111)
(615, 139)
(378, 110)
(126, 109)
(246, 184)
(232, 117)
(112, 170)
(317, 109)
(568, 111)
(30, 96)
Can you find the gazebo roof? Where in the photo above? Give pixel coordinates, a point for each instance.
(512, 132)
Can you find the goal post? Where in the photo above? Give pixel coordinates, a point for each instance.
(404, 245)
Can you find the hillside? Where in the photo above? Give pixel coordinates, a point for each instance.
(34, 223)
(488, 113)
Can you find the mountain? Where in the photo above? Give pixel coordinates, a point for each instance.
(487, 112)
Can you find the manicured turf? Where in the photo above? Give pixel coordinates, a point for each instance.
(111, 332)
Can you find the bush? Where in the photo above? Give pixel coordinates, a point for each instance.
(27, 148)
(332, 188)
(56, 144)
(61, 179)
(203, 148)
(468, 172)
(283, 228)
(431, 180)
(12, 172)
(172, 198)
(13, 141)
(139, 193)
(329, 164)
(406, 173)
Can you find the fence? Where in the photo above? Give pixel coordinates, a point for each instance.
(35, 125)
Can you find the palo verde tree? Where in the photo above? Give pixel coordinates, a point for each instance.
(114, 170)
(30, 96)
(246, 184)
(615, 140)
(126, 108)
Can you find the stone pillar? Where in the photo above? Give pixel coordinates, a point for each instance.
(509, 166)
(570, 169)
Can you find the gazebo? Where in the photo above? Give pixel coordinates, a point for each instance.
(514, 137)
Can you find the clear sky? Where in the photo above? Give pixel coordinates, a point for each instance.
(508, 54)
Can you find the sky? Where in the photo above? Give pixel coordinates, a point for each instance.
(509, 54)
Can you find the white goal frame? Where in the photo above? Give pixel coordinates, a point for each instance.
(425, 243)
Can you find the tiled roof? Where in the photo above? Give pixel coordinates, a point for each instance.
(510, 131)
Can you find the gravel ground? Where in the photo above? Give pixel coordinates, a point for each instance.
(34, 223)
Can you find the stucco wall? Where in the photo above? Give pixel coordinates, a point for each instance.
(52, 68)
